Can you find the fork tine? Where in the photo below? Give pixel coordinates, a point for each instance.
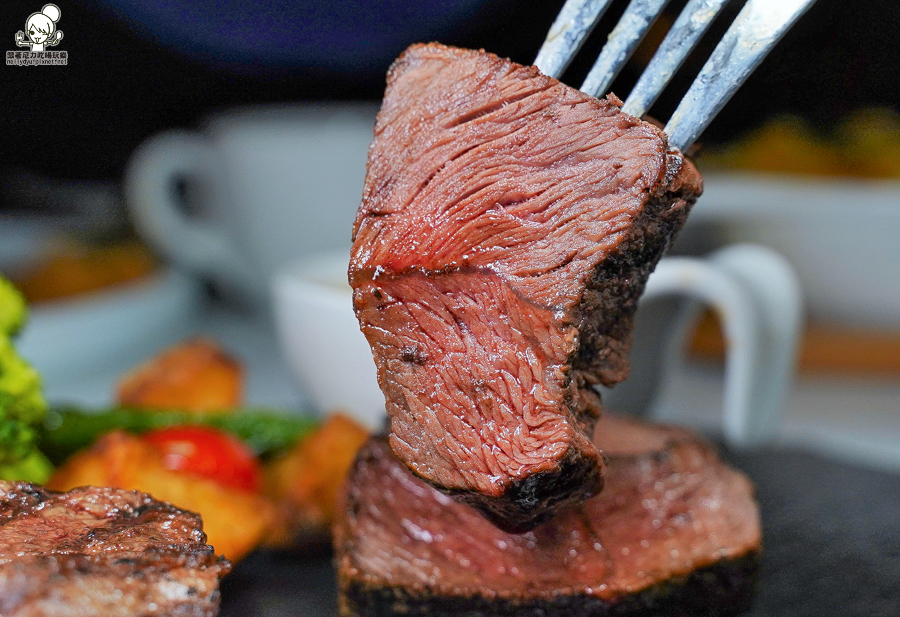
(632, 27)
(681, 39)
(759, 25)
(574, 23)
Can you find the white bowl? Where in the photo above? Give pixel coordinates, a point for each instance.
(83, 335)
(321, 339)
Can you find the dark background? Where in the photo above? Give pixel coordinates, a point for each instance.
(136, 68)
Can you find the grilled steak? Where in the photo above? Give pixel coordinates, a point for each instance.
(508, 225)
(675, 533)
(102, 551)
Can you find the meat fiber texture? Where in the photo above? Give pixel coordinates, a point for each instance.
(102, 551)
(675, 533)
(507, 228)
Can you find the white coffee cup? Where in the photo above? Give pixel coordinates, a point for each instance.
(270, 184)
(756, 295)
(752, 288)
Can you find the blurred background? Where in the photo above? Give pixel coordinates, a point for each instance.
(805, 159)
(195, 168)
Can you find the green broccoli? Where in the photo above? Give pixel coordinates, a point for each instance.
(22, 405)
(33, 468)
(20, 387)
(12, 309)
(17, 440)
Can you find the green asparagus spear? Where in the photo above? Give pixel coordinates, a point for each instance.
(69, 429)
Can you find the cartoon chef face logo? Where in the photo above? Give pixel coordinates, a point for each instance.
(41, 29)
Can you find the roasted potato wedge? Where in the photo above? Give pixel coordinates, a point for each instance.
(196, 375)
(305, 482)
(235, 521)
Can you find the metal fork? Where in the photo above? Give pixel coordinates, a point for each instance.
(759, 25)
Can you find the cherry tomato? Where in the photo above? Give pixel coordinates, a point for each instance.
(208, 452)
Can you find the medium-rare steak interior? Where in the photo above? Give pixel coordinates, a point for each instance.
(102, 551)
(675, 532)
(507, 228)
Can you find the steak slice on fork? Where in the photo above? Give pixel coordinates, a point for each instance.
(507, 228)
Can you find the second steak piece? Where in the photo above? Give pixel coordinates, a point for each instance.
(675, 533)
(103, 551)
(508, 226)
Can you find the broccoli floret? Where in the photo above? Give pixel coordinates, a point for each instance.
(20, 387)
(17, 440)
(12, 309)
(22, 405)
(33, 468)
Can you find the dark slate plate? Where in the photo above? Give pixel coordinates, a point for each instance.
(832, 547)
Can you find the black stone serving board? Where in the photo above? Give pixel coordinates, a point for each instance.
(831, 535)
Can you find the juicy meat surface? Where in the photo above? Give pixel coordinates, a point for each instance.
(102, 551)
(507, 228)
(675, 532)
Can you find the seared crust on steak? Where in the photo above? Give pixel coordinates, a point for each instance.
(102, 551)
(507, 229)
(675, 532)
(721, 590)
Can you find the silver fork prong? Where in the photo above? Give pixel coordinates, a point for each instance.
(759, 25)
(624, 38)
(572, 26)
(681, 39)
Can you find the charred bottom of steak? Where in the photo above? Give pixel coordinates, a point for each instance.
(102, 551)
(675, 532)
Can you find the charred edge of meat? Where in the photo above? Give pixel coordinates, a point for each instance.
(723, 589)
(536, 498)
(611, 296)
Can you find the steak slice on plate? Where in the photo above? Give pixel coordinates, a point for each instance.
(507, 228)
(675, 532)
(102, 551)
